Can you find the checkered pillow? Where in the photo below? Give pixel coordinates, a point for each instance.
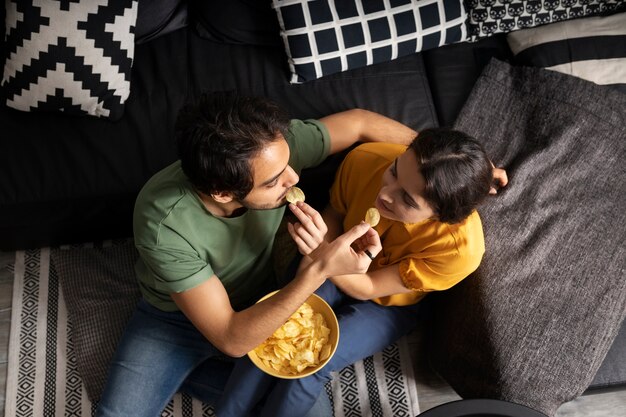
(325, 36)
(73, 56)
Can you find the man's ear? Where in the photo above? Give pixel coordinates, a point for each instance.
(223, 197)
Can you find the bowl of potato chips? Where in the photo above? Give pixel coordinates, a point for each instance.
(301, 346)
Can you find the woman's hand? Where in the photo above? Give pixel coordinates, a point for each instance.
(310, 232)
(500, 179)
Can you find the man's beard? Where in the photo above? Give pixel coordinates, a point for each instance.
(252, 206)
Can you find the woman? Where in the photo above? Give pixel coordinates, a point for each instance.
(431, 238)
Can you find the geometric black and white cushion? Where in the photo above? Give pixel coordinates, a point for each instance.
(73, 56)
(327, 36)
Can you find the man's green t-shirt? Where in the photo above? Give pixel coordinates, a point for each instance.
(181, 244)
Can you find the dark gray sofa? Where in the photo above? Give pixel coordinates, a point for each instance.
(66, 179)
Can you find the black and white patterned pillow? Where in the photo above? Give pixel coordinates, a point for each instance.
(324, 36)
(488, 17)
(73, 56)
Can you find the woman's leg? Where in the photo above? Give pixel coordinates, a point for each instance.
(332, 295)
(154, 356)
(207, 381)
(245, 388)
(366, 328)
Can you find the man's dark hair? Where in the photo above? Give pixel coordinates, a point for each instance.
(219, 134)
(456, 169)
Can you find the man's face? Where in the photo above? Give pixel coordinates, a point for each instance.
(272, 177)
(401, 196)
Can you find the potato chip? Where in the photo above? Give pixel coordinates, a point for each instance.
(294, 195)
(372, 216)
(300, 343)
(325, 352)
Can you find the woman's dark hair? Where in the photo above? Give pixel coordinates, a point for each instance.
(456, 169)
(219, 134)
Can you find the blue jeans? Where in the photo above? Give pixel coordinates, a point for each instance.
(365, 329)
(159, 354)
(156, 354)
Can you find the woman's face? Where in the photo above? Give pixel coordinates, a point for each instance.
(401, 194)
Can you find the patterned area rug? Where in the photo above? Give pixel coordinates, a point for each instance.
(43, 375)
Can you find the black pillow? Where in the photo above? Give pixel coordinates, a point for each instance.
(243, 22)
(159, 17)
(74, 57)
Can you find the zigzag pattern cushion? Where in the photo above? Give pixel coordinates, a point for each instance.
(328, 36)
(488, 17)
(73, 56)
(593, 48)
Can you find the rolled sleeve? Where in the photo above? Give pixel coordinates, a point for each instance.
(173, 270)
(433, 274)
(309, 142)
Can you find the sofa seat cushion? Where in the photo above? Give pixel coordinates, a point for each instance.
(612, 372)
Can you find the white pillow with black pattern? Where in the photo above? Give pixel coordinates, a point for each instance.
(592, 48)
(73, 56)
(323, 37)
(488, 17)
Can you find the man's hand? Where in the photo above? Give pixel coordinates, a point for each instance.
(310, 232)
(500, 179)
(368, 240)
(340, 258)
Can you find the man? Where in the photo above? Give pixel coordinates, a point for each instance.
(204, 228)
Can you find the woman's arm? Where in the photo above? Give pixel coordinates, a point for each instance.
(372, 284)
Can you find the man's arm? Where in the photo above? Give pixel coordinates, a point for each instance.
(235, 333)
(357, 125)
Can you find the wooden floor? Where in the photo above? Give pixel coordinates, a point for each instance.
(431, 390)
